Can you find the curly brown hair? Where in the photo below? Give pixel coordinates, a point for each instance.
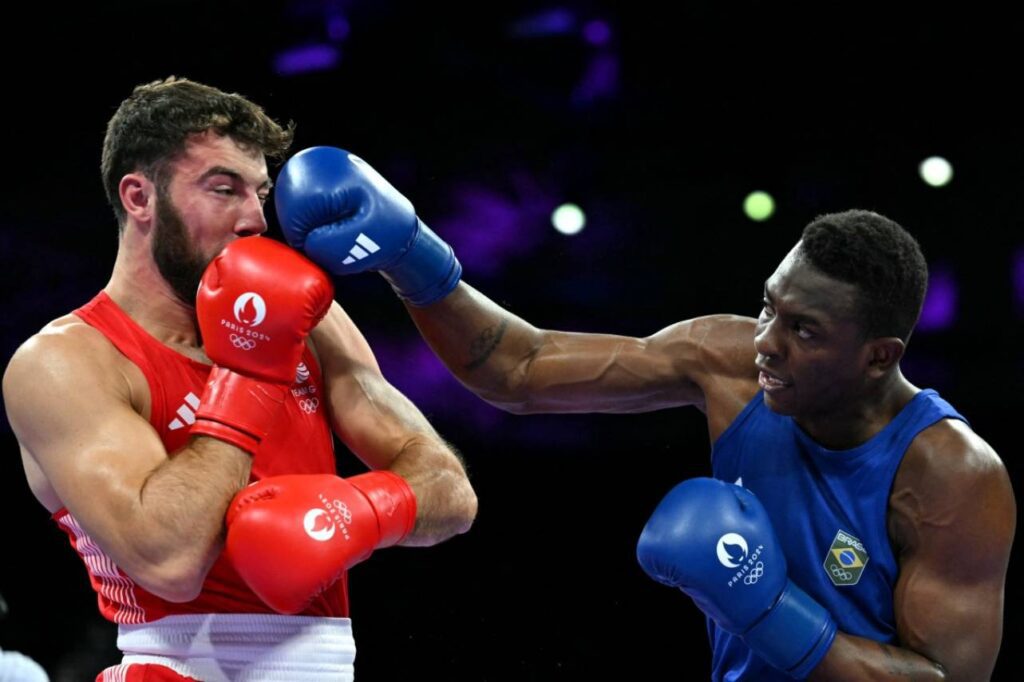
(152, 126)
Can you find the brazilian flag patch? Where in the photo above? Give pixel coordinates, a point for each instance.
(845, 560)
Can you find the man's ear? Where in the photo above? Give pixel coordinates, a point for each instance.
(884, 353)
(138, 198)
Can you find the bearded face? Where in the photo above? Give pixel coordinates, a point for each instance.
(179, 262)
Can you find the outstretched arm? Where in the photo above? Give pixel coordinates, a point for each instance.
(347, 218)
(518, 367)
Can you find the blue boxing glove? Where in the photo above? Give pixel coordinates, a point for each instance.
(713, 540)
(347, 218)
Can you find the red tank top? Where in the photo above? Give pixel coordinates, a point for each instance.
(299, 443)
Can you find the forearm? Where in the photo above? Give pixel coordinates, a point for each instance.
(502, 358)
(855, 659)
(445, 502)
(487, 348)
(178, 522)
(185, 498)
(522, 369)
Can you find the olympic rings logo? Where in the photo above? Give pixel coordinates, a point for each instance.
(309, 405)
(342, 509)
(755, 574)
(840, 573)
(242, 342)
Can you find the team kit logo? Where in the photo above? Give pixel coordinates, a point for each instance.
(321, 523)
(734, 552)
(318, 525)
(249, 310)
(844, 563)
(845, 560)
(363, 247)
(304, 392)
(186, 412)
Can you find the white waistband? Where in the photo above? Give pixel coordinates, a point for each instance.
(229, 647)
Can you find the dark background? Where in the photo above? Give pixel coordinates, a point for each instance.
(487, 120)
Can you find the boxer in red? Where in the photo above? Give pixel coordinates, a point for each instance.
(145, 415)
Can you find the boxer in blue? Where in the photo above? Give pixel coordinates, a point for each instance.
(856, 527)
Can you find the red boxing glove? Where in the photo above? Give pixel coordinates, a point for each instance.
(257, 302)
(291, 537)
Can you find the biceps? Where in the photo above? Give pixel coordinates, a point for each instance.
(601, 372)
(95, 460)
(955, 623)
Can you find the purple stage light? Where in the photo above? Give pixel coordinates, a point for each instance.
(600, 80)
(550, 22)
(1017, 272)
(412, 368)
(306, 58)
(940, 303)
(338, 27)
(597, 32)
(488, 228)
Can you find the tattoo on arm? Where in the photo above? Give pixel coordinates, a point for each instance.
(483, 346)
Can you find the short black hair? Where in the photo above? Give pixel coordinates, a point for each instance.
(880, 258)
(152, 127)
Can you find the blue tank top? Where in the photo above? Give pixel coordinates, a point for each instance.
(829, 509)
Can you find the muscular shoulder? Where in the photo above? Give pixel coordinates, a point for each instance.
(952, 490)
(67, 358)
(715, 353)
(727, 347)
(711, 346)
(948, 455)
